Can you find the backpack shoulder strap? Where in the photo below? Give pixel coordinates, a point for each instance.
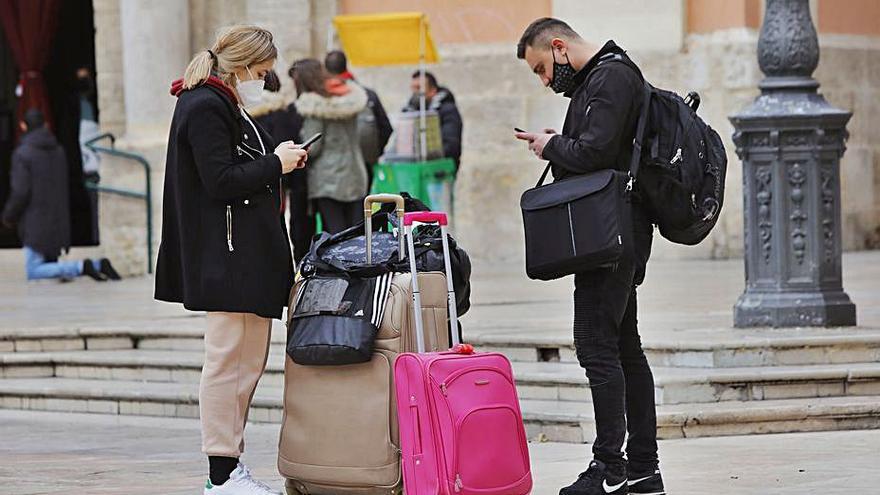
(640, 135)
(635, 162)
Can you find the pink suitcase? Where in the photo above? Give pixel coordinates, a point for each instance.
(461, 429)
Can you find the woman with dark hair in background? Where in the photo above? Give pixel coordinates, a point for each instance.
(284, 123)
(337, 179)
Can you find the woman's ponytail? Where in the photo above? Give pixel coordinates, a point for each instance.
(198, 70)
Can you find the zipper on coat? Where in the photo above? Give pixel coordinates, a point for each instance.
(229, 228)
(676, 158)
(241, 151)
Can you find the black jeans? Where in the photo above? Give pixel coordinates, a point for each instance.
(337, 216)
(609, 349)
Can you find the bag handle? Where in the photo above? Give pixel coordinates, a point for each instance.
(425, 217)
(440, 218)
(543, 176)
(368, 220)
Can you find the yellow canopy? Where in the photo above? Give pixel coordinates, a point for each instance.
(385, 39)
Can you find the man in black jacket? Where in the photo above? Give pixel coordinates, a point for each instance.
(39, 205)
(441, 100)
(606, 92)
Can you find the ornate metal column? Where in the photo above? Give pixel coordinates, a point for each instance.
(790, 141)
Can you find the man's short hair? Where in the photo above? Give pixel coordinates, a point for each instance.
(335, 62)
(432, 81)
(541, 32)
(33, 119)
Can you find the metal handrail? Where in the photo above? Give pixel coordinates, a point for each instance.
(146, 195)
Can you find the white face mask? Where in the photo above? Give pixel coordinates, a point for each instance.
(250, 92)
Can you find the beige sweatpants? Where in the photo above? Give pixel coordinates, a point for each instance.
(236, 350)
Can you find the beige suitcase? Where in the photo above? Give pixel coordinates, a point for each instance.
(339, 430)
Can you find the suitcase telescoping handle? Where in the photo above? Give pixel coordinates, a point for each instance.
(441, 219)
(368, 221)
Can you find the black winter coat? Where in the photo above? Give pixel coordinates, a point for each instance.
(601, 120)
(224, 243)
(382, 123)
(39, 194)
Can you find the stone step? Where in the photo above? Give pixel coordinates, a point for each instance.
(708, 348)
(545, 420)
(704, 348)
(535, 380)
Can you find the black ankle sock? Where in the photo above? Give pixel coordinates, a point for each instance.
(220, 468)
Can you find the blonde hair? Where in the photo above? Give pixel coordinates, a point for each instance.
(236, 47)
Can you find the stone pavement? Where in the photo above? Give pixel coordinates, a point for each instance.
(677, 296)
(53, 453)
(712, 380)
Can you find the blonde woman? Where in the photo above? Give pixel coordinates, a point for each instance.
(224, 245)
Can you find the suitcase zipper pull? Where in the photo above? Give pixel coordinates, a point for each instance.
(458, 483)
(443, 388)
(676, 158)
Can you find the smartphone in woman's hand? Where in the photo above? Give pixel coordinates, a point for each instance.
(310, 141)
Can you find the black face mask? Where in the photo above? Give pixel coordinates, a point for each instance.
(563, 75)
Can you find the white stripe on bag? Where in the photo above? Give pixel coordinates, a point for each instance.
(382, 285)
(386, 289)
(377, 293)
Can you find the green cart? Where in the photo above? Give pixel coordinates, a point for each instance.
(430, 181)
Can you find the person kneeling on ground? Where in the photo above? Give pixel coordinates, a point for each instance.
(38, 205)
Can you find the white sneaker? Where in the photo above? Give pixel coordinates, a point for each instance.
(240, 482)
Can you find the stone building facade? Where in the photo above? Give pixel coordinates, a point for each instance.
(703, 45)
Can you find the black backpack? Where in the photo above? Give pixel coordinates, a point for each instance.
(683, 165)
(683, 168)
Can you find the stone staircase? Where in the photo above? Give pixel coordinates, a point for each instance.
(708, 382)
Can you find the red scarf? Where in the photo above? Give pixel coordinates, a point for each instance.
(177, 88)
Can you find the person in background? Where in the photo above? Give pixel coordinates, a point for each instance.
(224, 245)
(441, 100)
(284, 123)
(337, 179)
(88, 130)
(374, 128)
(38, 205)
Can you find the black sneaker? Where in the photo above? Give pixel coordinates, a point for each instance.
(596, 480)
(646, 483)
(108, 270)
(89, 269)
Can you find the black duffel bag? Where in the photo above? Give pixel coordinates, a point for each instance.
(576, 224)
(429, 253)
(583, 222)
